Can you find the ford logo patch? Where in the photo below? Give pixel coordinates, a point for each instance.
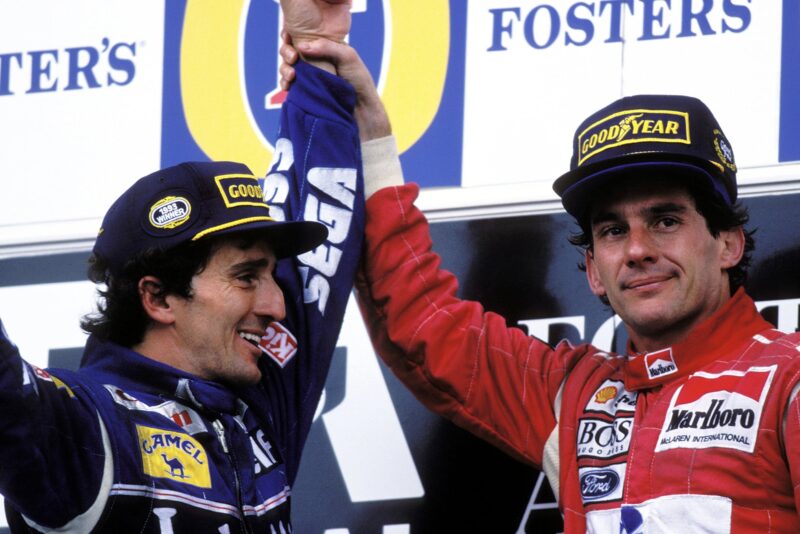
(598, 484)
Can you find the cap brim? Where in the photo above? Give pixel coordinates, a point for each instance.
(578, 189)
(286, 238)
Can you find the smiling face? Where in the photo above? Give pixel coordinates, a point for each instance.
(656, 261)
(214, 334)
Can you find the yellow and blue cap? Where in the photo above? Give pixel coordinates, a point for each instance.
(648, 135)
(191, 201)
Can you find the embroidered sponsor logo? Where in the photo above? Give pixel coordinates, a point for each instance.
(604, 439)
(612, 397)
(717, 410)
(660, 363)
(180, 414)
(633, 126)
(173, 455)
(724, 150)
(603, 484)
(41, 374)
(170, 212)
(278, 343)
(240, 190)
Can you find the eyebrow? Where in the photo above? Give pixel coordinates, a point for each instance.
(253, 265)
(648, 211)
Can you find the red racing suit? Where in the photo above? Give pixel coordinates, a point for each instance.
(701, 436)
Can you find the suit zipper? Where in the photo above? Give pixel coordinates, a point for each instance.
(220, 430)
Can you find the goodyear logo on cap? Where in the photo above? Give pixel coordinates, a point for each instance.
(633, 126)
(240, 190)
(170, 212)
(173, 455)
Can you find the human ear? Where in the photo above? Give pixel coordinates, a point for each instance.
(592, 275)
(155, 303)
(732, 244)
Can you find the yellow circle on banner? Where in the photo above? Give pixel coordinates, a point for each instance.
(420, 43)
(212, 87)
(213, 90)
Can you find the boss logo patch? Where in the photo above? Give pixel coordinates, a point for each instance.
(598, 438)
(173, 455)
(240, 190)
(717, 410)
(633, 126)
(170, 212)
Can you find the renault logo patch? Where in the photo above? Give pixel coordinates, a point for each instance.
(170, 212)
(173, 455)
(240, 190)
(633, 126)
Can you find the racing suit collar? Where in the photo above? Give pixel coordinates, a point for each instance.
(729, 327)
(130, 370)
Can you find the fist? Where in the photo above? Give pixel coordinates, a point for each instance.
(311, 19)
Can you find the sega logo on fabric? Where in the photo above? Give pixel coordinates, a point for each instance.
(580, 23)
(633, 126)
(68, 69)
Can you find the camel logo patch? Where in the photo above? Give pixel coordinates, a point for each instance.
(173, 455)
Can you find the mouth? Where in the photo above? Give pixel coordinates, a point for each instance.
(253, 339)
(645, 283)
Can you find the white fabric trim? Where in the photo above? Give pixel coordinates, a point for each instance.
(381, 164)
(86, 521)
(551, 464)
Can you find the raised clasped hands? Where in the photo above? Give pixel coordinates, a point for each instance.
(311, 19)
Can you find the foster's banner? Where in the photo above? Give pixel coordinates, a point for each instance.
(483, 95)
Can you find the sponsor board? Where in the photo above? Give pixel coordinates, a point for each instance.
(717, 410)
(114, 99)
(80, 97)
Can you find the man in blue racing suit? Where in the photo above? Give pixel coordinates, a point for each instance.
(209, 352)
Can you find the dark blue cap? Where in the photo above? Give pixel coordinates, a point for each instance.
(648, 136)
(192, 201)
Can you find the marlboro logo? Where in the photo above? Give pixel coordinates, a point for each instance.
(717, 410)
(660, 363)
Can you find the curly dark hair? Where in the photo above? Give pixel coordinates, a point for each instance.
(120, 316)
(719, 217)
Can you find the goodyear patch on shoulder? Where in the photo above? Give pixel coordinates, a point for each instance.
(633, 126)
(173, 455)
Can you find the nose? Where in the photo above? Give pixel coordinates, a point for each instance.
(640, 247)
(269, 301)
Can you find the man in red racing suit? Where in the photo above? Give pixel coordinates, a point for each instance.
(697, 427)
